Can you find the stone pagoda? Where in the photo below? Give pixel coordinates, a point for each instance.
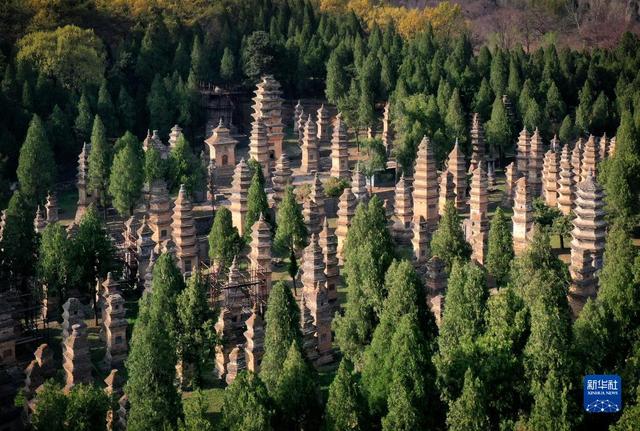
(436, 285)
(477, 142)
(387, 130)
(329, 244)
(536, 160)
(346, 210)
(425, 186)
(39, 370)
(7, 333)
(324, 134)
(254, 340)
(420, 243)
(239, 194)
(267, 104)
(522, 154)
(403, 211)
(554, 144)
(51, 207)
(566, 184)
(550, 178)
(281, 178)
(71, 314)
(82, 180)
(174, 135)
(612, 147)
(308, 329)
(225, 330)
(603, 147)
(236, 363)
(310, 152)
(317, 195)
(222, 147)
(587, 246)
(76, 360)
(589, 158)
(260, 255)
(301, 121)
(359, 185)
(522, 216)
(339, 149)
(160, 211)
(447, 191)
(576, 161)
(114, 325)
(311, 216)
(154, 141)
(479, 206)
(144, 248)
(297, 112)
(183, 231)
(457, 166)
(39, 223)
(259, 146)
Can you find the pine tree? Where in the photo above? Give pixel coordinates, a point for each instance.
(346, 408)
(185, 168)
(155, 402)
(56, 267)
(84, 120)
(454, 120)
(198, 64)
(126, 110)
(18, 243)
(482, 100)
(498, 74)
(291, 232)
(500, 249)
(87, 407)
(498, 127)
(256, 204)
(182, 59)
(532, 118)
(99, 161)
(600, 114)
(228, 66)
(448, 241)
(224, 240)
(567, 132)
(247, 406)
(36, 167)
(159, 107)
(125, 182)
(462, 322)
(106, 111)
(514, 82)
(468, 412)
(154, 167)
(60, 136)
(551, 410)
(52, 407)
(555, 105)
(583, 112)
(195, 414)
(282, 328)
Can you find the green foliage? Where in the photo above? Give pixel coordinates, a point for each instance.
(224, 240)
(36, 167)
(455, 123)
(84, 120)
(87, 408)
(159, 106)
(291, 232)
(18, 242)
(482, 100)
(106, 110)
(567, 132)
(228, 66)
(346, 407)
(154, 167)
(334, 187)
(258, 55)
(126, 110)
(467, 412)
(498, 128)
(256, 204)
(99, 161)
(56, 267)
(195, 415)
(185, 168)
(555, 105)
(448, 241)
(500, 248)
(125, 183)
(375, 157)
(74, 56)
(247, 406)
(52, 405)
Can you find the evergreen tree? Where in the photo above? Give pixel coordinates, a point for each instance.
(567, 132)
(514, 83)
(291, 232)
(195, 415)
(125, 183)
(282, 329)
(87, 407)
(224, 240)
(126, 110)
(154, 167)
(600, 114)
(500, 249)
(84, 119)
(551, 410)
(106, 111)
(99, 162)
(482, 100)
(247, 406)
(52, 406)
(36, 167)
(56, 267)
(60, 136)
(448, 241)
(182, 59)
(160, 110)
(185, 168)
(337, 81)
(228, 66)
(155, 402)
(532, 118)
(583, 111)
(346, 409)
(555, 105)
(498, 127)
(454, 120)
(498, 74)
(18, 242)
(468, 412)
(256, 204)
(198, 64)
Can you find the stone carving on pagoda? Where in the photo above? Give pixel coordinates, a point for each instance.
(254, 340)
(114, 324)
(359, 185)
(536, 161)
(589, 158)
(329, 245)
(82, 179)
(550, 178)
(154, 141)
(160, 211)
(281, 178)
(576, 161)
(76, 360)
(174, 135)
(260, 254)
(447, 191)
(387, 129)
(436, 284)
(259, 146)
(323, 133)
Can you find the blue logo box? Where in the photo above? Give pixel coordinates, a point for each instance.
(602, 393)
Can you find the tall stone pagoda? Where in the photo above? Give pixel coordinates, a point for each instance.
(550, 178)
(311, 216)
(536, 161)
(260, 255)
(82, 180)
(222, 146)
(267, 104)
(589, 158)
(183, 231)
(317, 195)
(310, 152)
(566, 184)
(522, 216)
(477, 142)
(457, 166)
(522, 154)
(51, 207)
(603, 147)
(144, 248)
(236, 363)
(174, 135)
(509, 185)
(329, 244)
(324, 134)
(254, 341)
(387, 129)
(359, 185)
(447, 191)
(154, 141)
(436, 285)
(76, 360)
(39, 223)
(259, 146)
(281, 178)
(479, 206)
(425, 186)
(239, 194)
(159, 211)
(339, 149)
(297, 112)
(420, 243)
(346, 210)
(308, 329)
(114, 324)
(587, 246)
(403, 211)
(576, 161)
(554, 144)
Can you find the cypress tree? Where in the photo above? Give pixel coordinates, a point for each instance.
(36, 167)
(60, 137)
(224, 240)
(291, 232)
(500, 249)
(87, 407)
(52, 406)
(246, 405)
(346, 407)
(84, 120)
(125, 183)
(454, 120)
(600, 114)
(228, 66)
(482, 100)
(160, 110)
(99, 161)
(198, 65)
(56, 266)
(256, 204)
(468, 411)
(567, 132)
(18, 242)
(126, 110)
(532, 118)
(498, 73)
(154, 167)
(337, 81)
(184, 167)
(498, 127)
(448, 241)
(106, 111)
(181, 58)
(514, 82)
(555, 105)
